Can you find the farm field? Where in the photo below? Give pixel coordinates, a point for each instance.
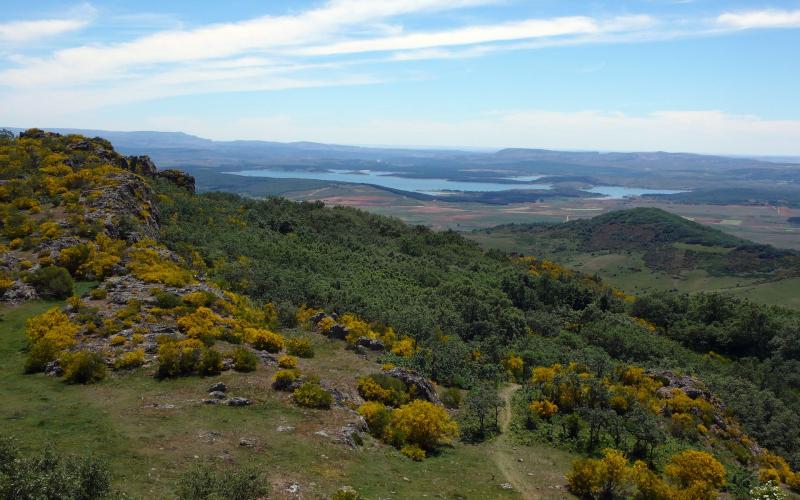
(761, 224)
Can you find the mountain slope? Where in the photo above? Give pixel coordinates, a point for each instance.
(316, 317)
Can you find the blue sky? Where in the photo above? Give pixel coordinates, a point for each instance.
(678, 75)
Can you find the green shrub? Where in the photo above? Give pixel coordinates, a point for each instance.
(210, 362)
(451, 398)
(49, 475)
(40, 353)
(244, 360)
(83, 367)
(52, 282)
(300, 347)
(347, 493)
(202, 482)
(312, 396)
(283, 379)
(175, 360)
(383, 388)
(98, 293)
(166, 300)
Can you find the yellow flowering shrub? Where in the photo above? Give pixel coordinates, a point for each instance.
(52, 326)
(148, 265)
(543, 409)
(287, 361)
(49, 230)
(300, 347)
(404, 347)
(130, 359)
(283, 379)
(325, 324)
(698, 469)
(612, 477)
(202, 323)
(264, 340)
(372, 391)
(117, 340)
(413, 452)
(513, 365)
(421, 423)
(377, 416)
(304, 313)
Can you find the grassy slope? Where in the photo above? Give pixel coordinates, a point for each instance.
(625, 268)
(148, 446)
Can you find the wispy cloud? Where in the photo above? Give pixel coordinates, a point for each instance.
(23, 31)
(315, 47)
(760, 19)
(521, 30)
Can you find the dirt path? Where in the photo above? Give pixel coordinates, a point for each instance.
(533, 471)
(502, 451)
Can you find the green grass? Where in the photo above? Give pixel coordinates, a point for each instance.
(150, 431)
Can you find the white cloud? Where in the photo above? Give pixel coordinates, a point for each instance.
(761, 19)
(692, 131)
(269, 33)
(26, 31)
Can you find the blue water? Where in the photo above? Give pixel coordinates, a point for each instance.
(435, 186)
(619, 192)
(386, 179)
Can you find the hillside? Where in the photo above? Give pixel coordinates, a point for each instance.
(632, 247)
(352, 350)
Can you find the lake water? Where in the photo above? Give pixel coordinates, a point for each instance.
(435, 186)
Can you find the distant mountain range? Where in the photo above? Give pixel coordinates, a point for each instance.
(170, 148)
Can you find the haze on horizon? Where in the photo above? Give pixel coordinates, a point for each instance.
(705, 76)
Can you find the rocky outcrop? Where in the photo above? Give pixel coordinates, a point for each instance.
(689, 385)
(371, 344)
(141, 165)
(18, 293)
(424, 387)
(179, 178)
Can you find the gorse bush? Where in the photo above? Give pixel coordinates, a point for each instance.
(52, 282)
(185, 357)
(312, 395)
(264, 340)
(300, 347)
(130, 359)
(693, 475)
(283, 379)
(377, 416)
(210, 362)
(383, 388)
(83, 367)
(203, 482)
(422, 424)
(244, 360)
(287, 362)
(48, 335)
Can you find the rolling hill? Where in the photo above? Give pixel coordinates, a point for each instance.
(169, 344)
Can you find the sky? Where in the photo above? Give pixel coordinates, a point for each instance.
(706, 76)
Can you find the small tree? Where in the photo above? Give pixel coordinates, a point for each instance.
(483, 405)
